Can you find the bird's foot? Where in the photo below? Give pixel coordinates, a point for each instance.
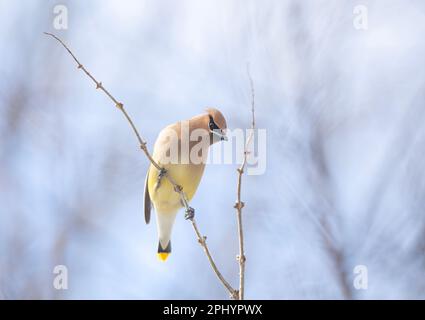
(162, 173)
(190, 213)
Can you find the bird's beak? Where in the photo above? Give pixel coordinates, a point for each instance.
(222, 136)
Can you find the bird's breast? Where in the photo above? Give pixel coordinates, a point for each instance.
(161, 191)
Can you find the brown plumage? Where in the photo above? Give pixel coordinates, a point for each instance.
(182, 150)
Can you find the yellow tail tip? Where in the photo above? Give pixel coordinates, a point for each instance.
(163, 256)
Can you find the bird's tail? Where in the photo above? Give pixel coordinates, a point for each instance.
(163, 253)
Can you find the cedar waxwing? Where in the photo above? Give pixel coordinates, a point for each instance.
(181, 149)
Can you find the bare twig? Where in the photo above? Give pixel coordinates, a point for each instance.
(142, 142)
(202, 241)
(239, 204)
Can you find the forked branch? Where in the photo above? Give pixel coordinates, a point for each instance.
(241, 258)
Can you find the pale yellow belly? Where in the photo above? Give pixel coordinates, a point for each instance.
(163, 197)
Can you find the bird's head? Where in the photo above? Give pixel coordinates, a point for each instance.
(217, 125)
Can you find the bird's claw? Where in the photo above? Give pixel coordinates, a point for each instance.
(162, 173)
(190, 213)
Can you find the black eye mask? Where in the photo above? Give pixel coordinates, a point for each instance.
(213, 126)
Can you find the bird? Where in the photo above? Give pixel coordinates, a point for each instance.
(181, 150)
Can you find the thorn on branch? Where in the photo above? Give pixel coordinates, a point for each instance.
(79, 66)
(241, 259)
(119, 105)
(240, 170)
(239, 205)
(203, 241)
(98, 85)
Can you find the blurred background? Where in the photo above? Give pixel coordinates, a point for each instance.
(343, 109)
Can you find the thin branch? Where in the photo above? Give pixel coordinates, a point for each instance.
(241, 258)
(142, 142)
(202, 241)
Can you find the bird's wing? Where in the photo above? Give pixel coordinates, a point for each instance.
(148, 205)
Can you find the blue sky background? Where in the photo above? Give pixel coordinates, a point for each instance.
(343, 110)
